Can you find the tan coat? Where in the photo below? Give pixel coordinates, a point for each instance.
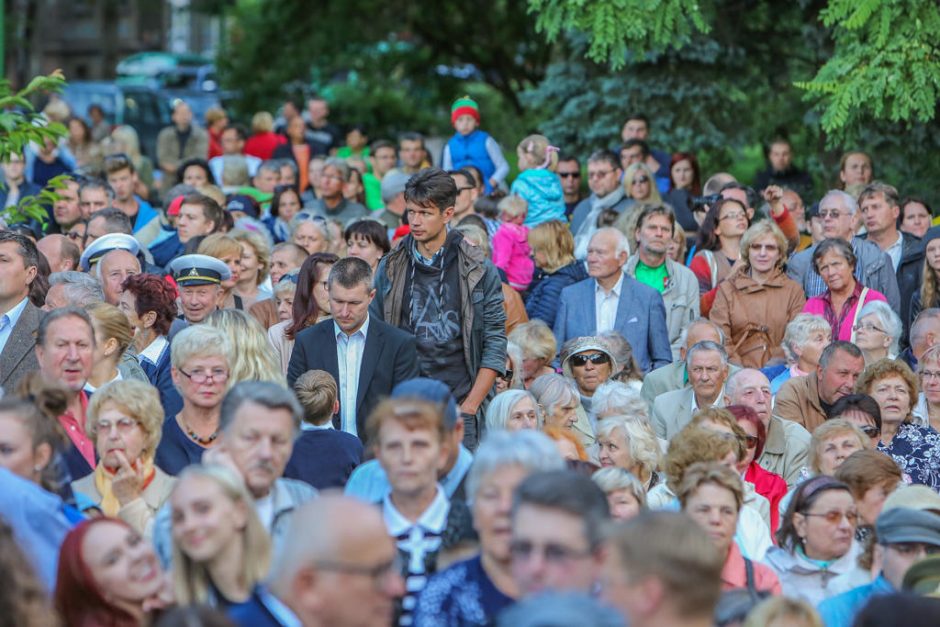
(754, 316)
(798, 400)
(140, 512)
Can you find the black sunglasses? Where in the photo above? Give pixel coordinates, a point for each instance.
(569, 175)
(508, 375)
(596, 359)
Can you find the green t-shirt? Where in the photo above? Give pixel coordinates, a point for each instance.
(654, 277)
(373, 187)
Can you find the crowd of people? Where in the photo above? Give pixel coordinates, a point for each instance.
(294, 377)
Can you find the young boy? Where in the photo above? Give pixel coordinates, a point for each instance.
(471, 146)
(323, 456)
(511, 251)
(410, 443)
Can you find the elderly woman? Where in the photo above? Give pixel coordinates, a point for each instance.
(125, 419)
(310, 232)
(756, 302)
(862, 411)
(310, 304)
(872, 477)
(255, 264)
(832, 443)
(815, 540)
(630, 444)
(474, 591)
(878, 331)
(803, 342)
(113, 335)
(912, 446)
(698, 444)
(627, 371)
(556, 268)
(844, 297)
(767, 484)
(619, 399)
(589, 362)
(512, 410)
(511, 377)
(712, 495)
(558, 400)
(200, 370)
(227, 250)
(538, 346)
(626, 496)
(149, 302)
(927, 411)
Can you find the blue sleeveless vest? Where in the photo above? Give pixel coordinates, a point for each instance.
(471, 150)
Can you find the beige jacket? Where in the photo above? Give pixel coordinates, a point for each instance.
(140, 512)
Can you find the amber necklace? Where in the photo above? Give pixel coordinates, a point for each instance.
(195, 437)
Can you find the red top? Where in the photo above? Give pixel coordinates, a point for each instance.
(215, 145)
(772, 487)
(734, 574)
(262, 145)
(75, 428)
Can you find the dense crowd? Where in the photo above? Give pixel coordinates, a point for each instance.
(294, 377)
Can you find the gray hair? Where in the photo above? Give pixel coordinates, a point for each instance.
(315, 219)
(641, 441)
(846, 200)
(497, 414)
(890, 321)
(684, 336)
(922, 324)
(553, 609)
(199, 340)
(731, 385)
(340, 165)
(616, 398)
(798, 331)
(532, 450)
(707, 345)
(611, 479)
(551, 390)
(569, 492)
(80, 289)
(264, 393)
(514, 351)
(623, 243)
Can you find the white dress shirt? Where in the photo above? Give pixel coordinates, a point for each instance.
(9, 320)
(349, 350)
(894, 251)
(605, 306)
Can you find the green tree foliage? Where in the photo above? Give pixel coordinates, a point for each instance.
(21, 125)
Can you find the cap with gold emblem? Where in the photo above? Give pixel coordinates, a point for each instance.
(105, 244)
(199, 270)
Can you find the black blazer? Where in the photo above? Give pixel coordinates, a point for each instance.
(390, 357)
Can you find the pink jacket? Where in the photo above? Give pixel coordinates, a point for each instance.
(734, 574)
(841, 330)
(512, 255)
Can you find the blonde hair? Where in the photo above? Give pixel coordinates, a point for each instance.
(883, 369)
(254, 360)
(191, 581)
(703, 473)
(220, 245)
(535, 339)
(213, 192)
(780, 611)
(262, 122)
(513, 206)
(138, 400)
(695, 444)
(723, 417)
(112, 323)
(830, 429)
(756, 231)
(316, 391)
(199, 340)
(641, 168)
(643, 446)
(130, 142)
(536, 152)
(260, 245)
(555, 241)
(214, 114)
(558, 434)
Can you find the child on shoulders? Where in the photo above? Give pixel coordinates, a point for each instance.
(511, 251)
(472, 146)
(537, 182)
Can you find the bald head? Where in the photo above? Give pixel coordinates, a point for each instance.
(113, 269)
(700, 330)
(339, 549)
(925, 332)
(60, 252)
(751, 388)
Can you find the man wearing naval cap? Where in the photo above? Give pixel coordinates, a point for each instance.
(199, 278)
(96, 250)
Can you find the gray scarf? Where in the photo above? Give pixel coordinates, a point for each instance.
(583, 237)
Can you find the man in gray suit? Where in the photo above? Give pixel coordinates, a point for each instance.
(675, 376)
(708, 370)
(19, 318)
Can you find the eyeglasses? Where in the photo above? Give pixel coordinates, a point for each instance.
(596, 359)
(569, 175)
(640, 179)
(552, 553)
(737, 215)
(871, 431)
(831, 213)
(835, 516)
(866, 326)
(598, 174)
(757, 248)
(201, 376)
(751, 441)
(379, 574)
(123, 425)
(74, 235)
(929, 374)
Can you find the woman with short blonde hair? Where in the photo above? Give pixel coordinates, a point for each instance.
(255, 264)
(629, 443)
(125, 421)
(539, 348)
(555, 269)
(927, 411)
(832, 443)
(226, 249)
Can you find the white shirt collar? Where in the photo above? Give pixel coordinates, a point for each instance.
(434, 518)
(154, 349)
(364, 329)
(306, 426)
(615, 290)
(14, 314)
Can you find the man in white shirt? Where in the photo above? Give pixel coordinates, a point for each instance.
(233, 149)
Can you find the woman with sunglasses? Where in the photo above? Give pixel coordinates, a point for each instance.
(912, 446)
(816, 540)
(589, 362)
(757, 301)
(712, 495)
(200, 368)
(862, 411)
(719, 246)
(639, 186)
(769, 485)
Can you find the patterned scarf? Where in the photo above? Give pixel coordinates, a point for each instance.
(110, 505)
